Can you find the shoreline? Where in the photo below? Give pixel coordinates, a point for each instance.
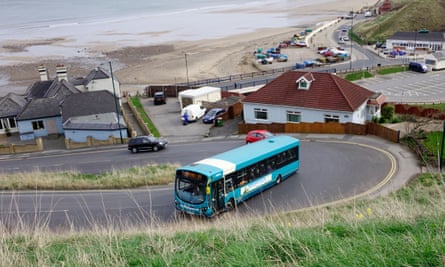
(135, 66)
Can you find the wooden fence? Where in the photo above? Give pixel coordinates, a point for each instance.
(325, 128)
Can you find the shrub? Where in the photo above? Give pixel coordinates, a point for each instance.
(388, 112)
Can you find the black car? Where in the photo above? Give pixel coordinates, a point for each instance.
(212, 114)
(159, 98)
(144, 143)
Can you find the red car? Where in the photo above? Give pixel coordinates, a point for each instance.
(256, 135)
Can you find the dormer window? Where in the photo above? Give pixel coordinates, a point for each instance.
(303, 84)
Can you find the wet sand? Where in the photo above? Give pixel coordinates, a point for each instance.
(136, 67)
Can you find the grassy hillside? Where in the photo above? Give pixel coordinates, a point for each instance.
(403, 229)
(407, 15)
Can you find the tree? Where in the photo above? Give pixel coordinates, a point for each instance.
(387, 112)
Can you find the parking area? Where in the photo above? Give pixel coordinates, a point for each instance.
(167, 119)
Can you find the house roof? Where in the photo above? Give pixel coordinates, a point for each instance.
(96, 74)
(11, 104)
(52, 88)
(326, 92)
(103, 121)
(439, 55)
(40, 108)
(38, 89)
(61, 89)
(88, 103)
(427, 36)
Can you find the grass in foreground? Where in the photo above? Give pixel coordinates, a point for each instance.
(403, 229)
(154, 174)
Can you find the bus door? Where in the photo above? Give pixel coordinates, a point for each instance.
(218, 195)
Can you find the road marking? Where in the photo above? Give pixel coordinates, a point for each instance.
(368, 192)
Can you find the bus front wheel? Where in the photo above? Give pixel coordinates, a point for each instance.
(278, 179)
(231, 204)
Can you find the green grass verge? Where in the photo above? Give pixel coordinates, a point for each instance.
(402, 229)
(151, 127)
(385, 71)
(354, 76)
(153, 174)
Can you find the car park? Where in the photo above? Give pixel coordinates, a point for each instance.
(256, 135)
(159, 98)
(146, 143)
(212, 114)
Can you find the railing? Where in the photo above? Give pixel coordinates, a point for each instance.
(236, 81)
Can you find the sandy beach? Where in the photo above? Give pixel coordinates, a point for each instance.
(137, 67)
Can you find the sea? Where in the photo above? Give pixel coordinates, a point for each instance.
(68, 28)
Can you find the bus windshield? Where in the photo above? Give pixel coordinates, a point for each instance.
(191, 186)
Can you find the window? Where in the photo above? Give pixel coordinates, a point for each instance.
(293, 116)
(260, 113)
(261, 168)
(331, 118)
(37, 125)
(303, 84)
(12, 123)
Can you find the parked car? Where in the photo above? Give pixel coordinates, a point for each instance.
(145, 143)
(159, 98)
(212, 114)
(282, 58)
(419, 67)
(267, 60)
(256, 135)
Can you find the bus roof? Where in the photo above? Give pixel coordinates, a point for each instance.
(242, 156)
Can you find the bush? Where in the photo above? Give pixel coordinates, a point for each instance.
(388, 112)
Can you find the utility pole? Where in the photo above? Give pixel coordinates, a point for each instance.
(352, 25)
(186, 69)
(441, 148)
(116, 103)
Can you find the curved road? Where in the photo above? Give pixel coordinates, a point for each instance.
(331, 170)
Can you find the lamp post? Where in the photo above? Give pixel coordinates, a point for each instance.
(186, 69)
(116, 103)
(350, 55)
(415, 44)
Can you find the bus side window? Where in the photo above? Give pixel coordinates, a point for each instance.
(229, 185)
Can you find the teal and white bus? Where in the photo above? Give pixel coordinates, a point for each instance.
(216, 184)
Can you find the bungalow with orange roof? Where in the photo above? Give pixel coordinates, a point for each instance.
(298, 96)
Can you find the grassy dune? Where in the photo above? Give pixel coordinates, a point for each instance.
(406, 228)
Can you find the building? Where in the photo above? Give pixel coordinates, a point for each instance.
(92, 114)
(297, 96)
(422, 41)
(10, 106)
(39, 112)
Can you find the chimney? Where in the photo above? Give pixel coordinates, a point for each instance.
(43, 73)
(61, 73)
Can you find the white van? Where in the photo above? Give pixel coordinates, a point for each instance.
(194, 112)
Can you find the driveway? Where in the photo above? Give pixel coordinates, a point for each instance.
(167, 120)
